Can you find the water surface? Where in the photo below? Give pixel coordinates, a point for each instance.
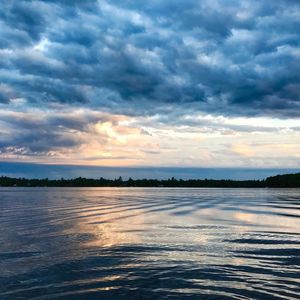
(110, 243)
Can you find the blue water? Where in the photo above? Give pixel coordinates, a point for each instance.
(131, 243)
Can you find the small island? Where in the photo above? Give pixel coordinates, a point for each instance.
(279, 181)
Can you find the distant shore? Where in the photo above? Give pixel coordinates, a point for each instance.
(279, 181)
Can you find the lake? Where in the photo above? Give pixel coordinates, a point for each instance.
(149, 243)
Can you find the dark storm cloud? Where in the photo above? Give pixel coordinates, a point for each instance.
(233, 58)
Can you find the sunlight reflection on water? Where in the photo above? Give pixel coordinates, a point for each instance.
(135, 243)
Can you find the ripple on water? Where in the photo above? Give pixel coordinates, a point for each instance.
(149, 243)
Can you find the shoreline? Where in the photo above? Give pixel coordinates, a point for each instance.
(279, 181)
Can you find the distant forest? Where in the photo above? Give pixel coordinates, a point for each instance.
(279, 181)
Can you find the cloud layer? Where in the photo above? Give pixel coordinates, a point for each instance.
(83, 136)
(121, 82)
(138, 57)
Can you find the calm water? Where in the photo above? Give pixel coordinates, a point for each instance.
(109, 243)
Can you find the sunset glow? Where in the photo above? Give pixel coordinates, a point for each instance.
(130, 87)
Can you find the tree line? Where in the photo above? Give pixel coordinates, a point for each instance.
(279, 181)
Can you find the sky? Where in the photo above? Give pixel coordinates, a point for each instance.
(126, 84)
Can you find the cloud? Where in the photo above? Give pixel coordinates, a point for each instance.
(142, 58)
(28, 134)
(78, 134)
(85, 136)
(135, 82)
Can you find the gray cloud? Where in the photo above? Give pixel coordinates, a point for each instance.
(40, 134)
(143, 58)
(35, 137)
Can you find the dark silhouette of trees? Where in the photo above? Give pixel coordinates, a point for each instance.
(279, 181)
(284, 181)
